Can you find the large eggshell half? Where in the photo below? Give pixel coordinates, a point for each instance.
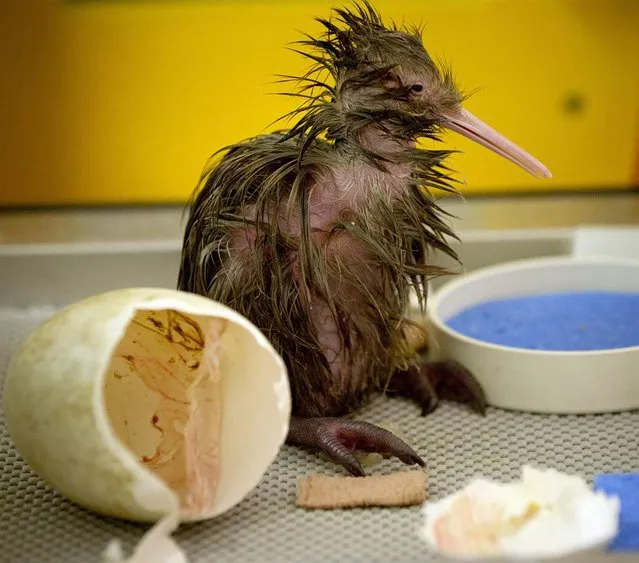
(68, 418)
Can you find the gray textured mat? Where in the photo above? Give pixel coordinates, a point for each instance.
(36, 525)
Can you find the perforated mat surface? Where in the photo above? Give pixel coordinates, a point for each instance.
(37, 525)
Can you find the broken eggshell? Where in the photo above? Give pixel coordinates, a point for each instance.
(545, 516)
(143, 403)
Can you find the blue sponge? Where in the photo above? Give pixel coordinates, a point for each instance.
(626, 487)
(578, 320)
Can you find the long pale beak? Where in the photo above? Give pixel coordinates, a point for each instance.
(466, 124)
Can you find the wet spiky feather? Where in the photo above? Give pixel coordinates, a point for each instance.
(318, 233)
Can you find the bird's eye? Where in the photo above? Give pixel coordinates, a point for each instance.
(417, 87)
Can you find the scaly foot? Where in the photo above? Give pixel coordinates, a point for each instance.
(338, 438)
(438, 380)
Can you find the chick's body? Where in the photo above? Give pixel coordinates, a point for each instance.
(327, 277)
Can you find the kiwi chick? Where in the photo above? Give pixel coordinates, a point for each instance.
(320, 232)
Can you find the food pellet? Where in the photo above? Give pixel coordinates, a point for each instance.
(559, 321)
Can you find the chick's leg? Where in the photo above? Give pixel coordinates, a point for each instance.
(338, 438)
(432, 381)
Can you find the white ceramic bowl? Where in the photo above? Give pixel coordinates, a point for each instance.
(537, 380)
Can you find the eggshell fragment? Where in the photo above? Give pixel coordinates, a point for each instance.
(156, 546)
(143, 403)
(545, 515)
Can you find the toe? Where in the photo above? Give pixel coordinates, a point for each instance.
(456, 383)
(370, 438)
(415, 384)
(339, 438)
(340, 454)
(429, 404)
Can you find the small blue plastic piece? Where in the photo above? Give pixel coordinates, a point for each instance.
(626, 487)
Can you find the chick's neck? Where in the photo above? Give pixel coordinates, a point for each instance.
(378, 141)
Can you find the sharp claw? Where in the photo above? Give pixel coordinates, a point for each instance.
(371, 438)
(438, 380)
(414, 460)
(454, 382)
(348, 462)
(479, 406)
(415, 384)
(354, 467)
(430, 406)
(338, 438)
(330, 444)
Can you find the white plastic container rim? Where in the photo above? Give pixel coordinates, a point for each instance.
(546, 381)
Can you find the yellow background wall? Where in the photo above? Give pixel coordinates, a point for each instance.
(117, 102)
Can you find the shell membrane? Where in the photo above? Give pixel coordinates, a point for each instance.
(544, 515)
(66, 415)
